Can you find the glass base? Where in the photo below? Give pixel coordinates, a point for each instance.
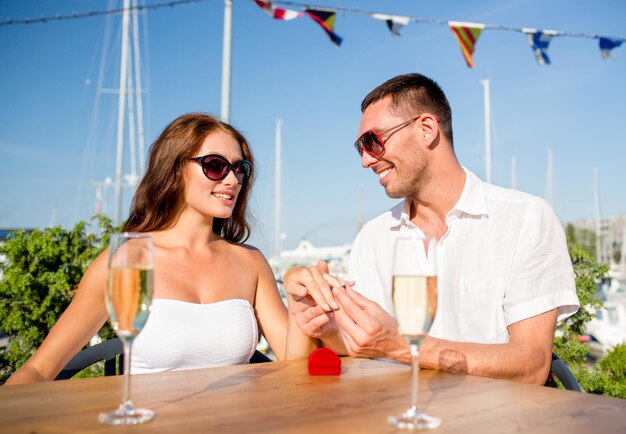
(414, 419)
(126, 414)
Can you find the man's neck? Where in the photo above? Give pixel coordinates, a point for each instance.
(428, 209)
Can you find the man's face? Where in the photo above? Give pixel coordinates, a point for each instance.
(402, 168)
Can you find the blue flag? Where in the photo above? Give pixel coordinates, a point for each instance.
(539, 41)
(607, 44)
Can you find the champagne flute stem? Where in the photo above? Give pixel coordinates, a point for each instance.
(415, 377)
(126, 343)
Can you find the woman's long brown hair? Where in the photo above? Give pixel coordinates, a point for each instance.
(159, 198)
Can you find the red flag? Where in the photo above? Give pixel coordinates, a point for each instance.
(277, 13)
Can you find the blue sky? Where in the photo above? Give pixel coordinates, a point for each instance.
(57, 135)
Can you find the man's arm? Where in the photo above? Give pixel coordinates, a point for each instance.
(525, 358)
(369, 331)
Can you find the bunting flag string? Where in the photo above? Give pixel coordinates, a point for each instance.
(539, 41)
(607, 44)
(326, 19)
(277, 13)
(467, 35)
(394, 22)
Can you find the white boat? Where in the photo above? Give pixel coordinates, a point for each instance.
(608, 328)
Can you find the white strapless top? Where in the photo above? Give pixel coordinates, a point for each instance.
(183, 335)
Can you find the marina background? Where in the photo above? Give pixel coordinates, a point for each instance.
(57, 127)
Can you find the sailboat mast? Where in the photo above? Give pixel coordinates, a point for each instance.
(485, 84)
(138, 90)
(277, 182)
(550, 179)
(513, 173)
(596, 208)
(120, 111)
(226, 61)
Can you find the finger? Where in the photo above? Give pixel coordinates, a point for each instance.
(311, 326)
(297, 305)
(292, 281)
(308, 278)
(295, 290)
(349, 305)
(319, 321)
(322, 266)
(323, 294)
(351, 333)
(362, 301)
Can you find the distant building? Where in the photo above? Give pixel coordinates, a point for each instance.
(611, 231)
(306, 255)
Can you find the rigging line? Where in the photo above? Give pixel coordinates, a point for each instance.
(89, 14)
(75, 15)
(435, 21)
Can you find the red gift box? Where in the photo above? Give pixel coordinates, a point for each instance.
(324, 361)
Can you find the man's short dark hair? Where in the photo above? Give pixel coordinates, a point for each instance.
(413, 94)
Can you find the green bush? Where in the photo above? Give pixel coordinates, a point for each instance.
(608, 376)
(40, 274)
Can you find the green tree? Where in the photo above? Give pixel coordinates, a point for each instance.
(40, 274)
(608, 376)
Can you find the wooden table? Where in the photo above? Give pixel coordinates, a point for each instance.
(283, 398)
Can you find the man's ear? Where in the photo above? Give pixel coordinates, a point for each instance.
(429, 126)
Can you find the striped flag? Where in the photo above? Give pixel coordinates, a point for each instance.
(466, 34)
(277, 13)
(539, 41)
(326, 19)
(394, 22)
(607, 44)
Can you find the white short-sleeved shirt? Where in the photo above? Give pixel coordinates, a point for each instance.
(503, 259)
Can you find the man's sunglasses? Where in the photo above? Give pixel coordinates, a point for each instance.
(216, 167)
(372, 141)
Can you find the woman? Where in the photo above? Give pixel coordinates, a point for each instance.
(210, 291)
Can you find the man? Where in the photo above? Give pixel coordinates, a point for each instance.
(506, 275)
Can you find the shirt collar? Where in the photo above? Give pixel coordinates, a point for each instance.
(472, 202)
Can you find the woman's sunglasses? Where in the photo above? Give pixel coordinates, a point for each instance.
(216, 167)
(372, 141)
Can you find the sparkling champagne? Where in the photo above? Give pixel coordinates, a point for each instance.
(128, 299)
(415, 305)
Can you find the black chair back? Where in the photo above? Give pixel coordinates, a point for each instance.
(560, 370)
(110, 351)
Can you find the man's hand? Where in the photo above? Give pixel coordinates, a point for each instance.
(367, 329)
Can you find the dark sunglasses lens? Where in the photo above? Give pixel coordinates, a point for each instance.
(242, 171)
(358, 147)
(371, 143)
(215, 167)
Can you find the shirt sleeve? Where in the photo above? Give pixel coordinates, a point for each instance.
(542, 276)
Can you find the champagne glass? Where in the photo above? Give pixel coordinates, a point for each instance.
(414, 296)
(128, 299)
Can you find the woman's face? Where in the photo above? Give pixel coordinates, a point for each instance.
(207, 197)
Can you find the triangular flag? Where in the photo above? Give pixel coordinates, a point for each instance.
(277, 13)
(326, 19)
(539, 40)
(394, 22)
(607, 44)
(466, 34)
